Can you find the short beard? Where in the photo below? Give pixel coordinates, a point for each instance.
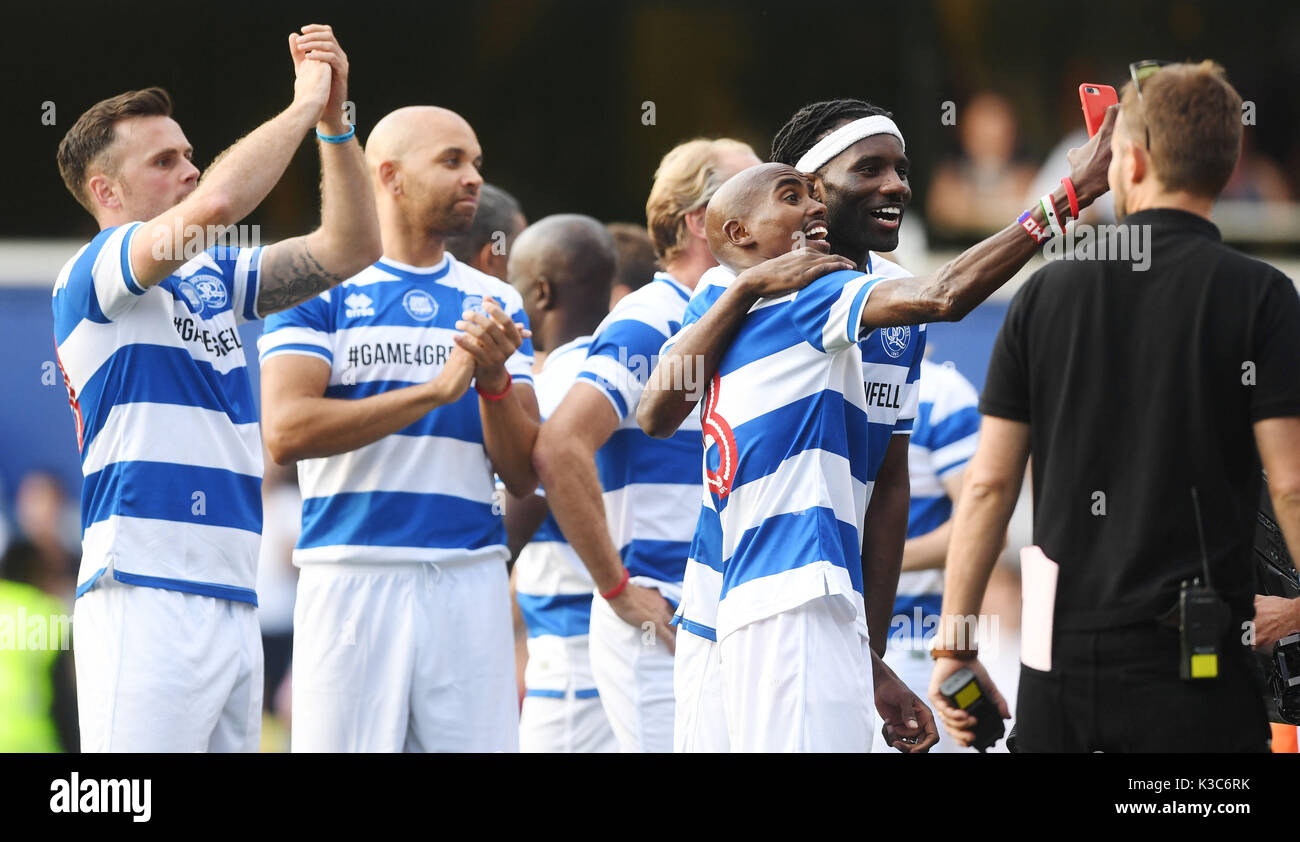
(445, 222)
(452, 224)
(848, 232)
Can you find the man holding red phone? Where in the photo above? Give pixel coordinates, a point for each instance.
(1202, 350)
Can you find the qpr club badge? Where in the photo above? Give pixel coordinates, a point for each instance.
(211, 290)
(895, 339)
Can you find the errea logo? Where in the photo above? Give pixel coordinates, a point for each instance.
(359, 305)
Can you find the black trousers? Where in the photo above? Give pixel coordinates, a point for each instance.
(1119, 691)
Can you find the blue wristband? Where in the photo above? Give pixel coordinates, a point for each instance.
(337, 138)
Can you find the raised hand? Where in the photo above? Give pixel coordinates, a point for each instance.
(312, 82)
(318, 43)
(1090, 162)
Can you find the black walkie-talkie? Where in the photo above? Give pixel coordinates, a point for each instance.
(963, 690)
(1202, 617)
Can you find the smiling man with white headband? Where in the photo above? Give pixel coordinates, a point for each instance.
(845, 136)
(864, 179)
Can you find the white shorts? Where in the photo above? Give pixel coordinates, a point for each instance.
(562, 711)
(799, 681)
(166, 671)
(634, 674)
(701, 722)
(570, 724)
(404, 657)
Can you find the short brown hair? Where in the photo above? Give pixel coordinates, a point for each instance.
(93, 133)
(686, 179)
(1194, 117)
(635, 262)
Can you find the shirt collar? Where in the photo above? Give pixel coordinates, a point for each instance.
(440, 266)
(575, 344)
(1176, 220)
(669, 279)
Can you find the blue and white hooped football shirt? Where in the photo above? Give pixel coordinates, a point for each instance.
(426, 492)
(165, 419)
(651, 486)
(890, 370)
(552, 584)
(943, 442)
(785, 427)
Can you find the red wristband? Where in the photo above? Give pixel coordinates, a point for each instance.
(619, 588)
(1072, 196)
(489, 396)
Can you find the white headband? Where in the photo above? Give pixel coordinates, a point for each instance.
(844, 137)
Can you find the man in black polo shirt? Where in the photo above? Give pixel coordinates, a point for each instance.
(1172, 364)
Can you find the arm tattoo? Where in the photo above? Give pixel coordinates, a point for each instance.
(292, 278)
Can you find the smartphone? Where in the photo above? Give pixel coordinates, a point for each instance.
(1095, 100)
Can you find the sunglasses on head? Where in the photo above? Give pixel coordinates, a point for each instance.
(1140, 71)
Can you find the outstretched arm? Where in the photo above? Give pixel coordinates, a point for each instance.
(976, 273)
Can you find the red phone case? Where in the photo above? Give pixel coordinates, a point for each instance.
(1095, 99)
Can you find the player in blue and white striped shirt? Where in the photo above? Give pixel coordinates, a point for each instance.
(626, 502)
(402, 623)
(562, 267)
(787, 434)
(943, 441)
(168, 653)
